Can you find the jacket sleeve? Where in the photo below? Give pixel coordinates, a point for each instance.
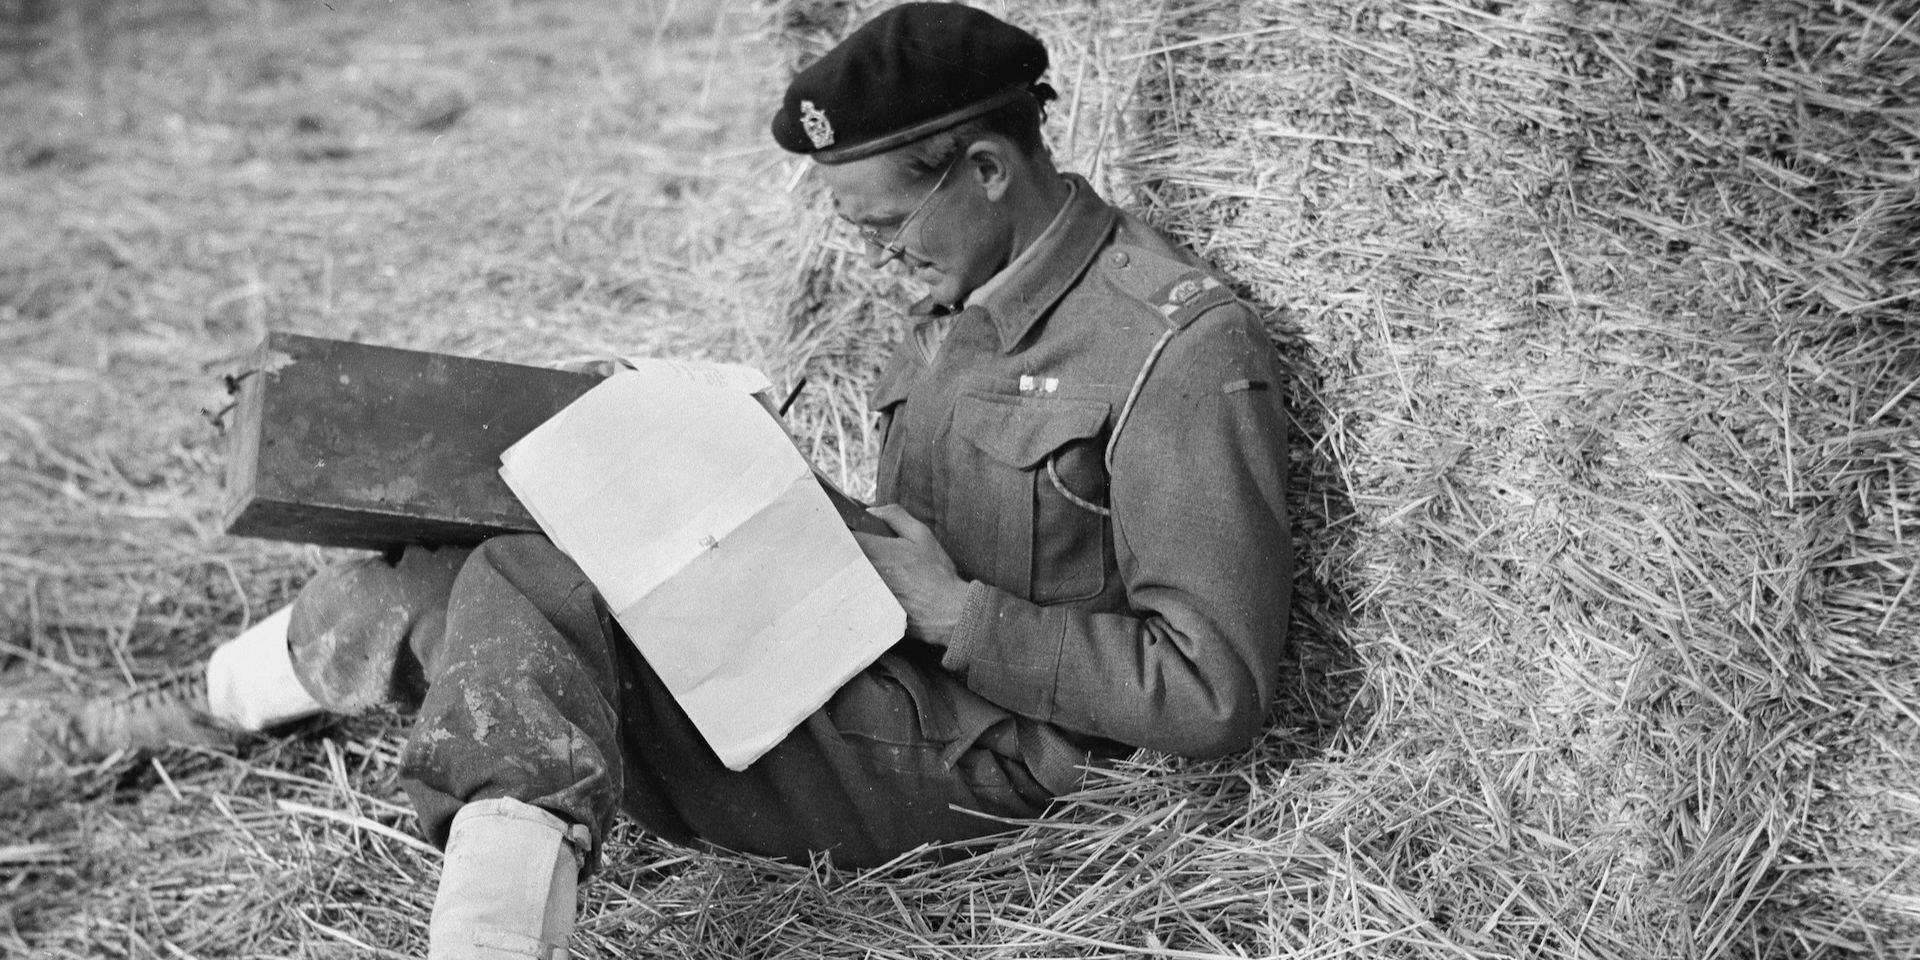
(1198, 472)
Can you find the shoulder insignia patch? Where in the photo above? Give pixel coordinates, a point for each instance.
(1188, 296)
(1170, 298)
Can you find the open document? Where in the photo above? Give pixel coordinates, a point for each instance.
(716, 549)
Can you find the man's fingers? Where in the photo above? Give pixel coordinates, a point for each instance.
(881, 550)
(902, 522)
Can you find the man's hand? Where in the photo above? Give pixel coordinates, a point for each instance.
(917, 569)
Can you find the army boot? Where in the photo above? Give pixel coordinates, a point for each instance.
(247, 686)
(43, 732)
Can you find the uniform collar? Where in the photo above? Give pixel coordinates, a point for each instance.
(984, 294)
(1016, 297)
(1045, 271)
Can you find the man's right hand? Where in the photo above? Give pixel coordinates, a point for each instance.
(919, 572)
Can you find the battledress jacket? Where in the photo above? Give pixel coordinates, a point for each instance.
(1100, 446)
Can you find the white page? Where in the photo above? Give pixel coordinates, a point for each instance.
(733, 375)
(715, 548)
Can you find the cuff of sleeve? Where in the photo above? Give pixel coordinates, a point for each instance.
(971, 630)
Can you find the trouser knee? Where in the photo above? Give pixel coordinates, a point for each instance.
(359, 629)
(531, 565)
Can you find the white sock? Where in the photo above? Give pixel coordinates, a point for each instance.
(250, 680)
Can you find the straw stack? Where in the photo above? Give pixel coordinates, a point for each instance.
(1603, 327)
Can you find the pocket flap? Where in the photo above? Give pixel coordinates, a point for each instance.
(1023, 432)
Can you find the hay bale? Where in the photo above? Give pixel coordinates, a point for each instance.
(1603, 318)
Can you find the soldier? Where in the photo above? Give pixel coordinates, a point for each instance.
(1083, 461)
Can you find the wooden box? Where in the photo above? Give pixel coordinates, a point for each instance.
(351, 445)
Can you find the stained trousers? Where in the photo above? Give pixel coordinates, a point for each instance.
(525, 687)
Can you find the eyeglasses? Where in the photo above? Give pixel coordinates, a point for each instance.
(893, 249)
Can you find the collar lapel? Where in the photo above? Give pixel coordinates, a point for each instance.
(1055, 268)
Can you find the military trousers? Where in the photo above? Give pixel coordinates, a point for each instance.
(525, 687)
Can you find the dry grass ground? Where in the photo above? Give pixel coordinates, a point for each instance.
(1603, 318)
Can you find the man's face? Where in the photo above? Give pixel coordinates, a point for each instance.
(948, 234)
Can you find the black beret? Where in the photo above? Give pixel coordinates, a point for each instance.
(908, 73)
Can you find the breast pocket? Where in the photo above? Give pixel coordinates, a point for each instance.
(1029, 493)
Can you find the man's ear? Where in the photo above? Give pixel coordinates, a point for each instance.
(988, 162)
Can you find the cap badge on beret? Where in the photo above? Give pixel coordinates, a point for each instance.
(815, 120)
(909, 73)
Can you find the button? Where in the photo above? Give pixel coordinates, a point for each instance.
(1119, 258)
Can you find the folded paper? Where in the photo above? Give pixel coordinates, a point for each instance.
(710, 540)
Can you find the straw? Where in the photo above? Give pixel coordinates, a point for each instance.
(1606, 485)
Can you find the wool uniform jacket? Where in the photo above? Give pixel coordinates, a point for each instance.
(1100, 445)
